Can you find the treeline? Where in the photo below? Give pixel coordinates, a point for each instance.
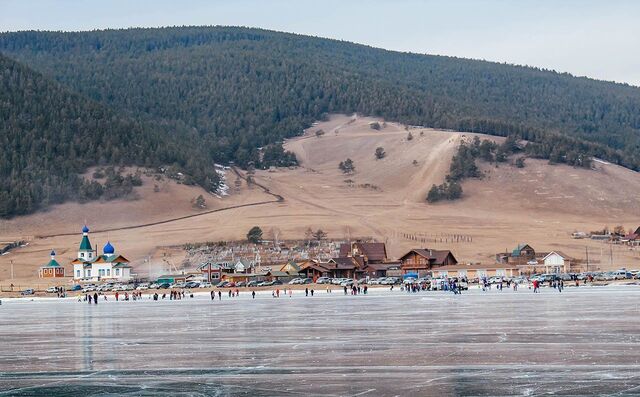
(191, 96)
(238, 89)
(48, 136)
(463, 165)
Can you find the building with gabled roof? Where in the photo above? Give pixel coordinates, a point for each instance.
(52, 269)
(371, 252)
(90, 266)
(421, 261)
(290, 267)
(522, 254)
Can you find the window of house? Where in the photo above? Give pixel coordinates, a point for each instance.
(108, 272)
(89, 273)
(82, 255)
(78, 273)
(117, 272)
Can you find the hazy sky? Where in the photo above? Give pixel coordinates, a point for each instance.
(599, 39)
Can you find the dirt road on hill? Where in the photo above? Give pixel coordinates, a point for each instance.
(277, 199)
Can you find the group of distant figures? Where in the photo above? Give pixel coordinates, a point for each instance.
(451, 285)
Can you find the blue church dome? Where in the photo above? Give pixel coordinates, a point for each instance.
(108, 248)
(85, 229)
(53, 253)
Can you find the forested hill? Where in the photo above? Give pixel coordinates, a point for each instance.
(239, 89)
(48, 136)
(194, 95)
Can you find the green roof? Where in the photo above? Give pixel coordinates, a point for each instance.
(52, 263)
(85, 245)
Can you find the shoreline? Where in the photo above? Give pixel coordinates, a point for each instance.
(298, 291)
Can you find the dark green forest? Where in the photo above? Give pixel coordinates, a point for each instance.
(49, 136)
(233, 94)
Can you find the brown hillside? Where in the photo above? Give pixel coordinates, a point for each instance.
(540, 204)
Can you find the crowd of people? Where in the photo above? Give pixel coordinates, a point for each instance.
(448, 285)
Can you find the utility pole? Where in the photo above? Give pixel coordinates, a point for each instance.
(587, 250)
(610, 254)
(11, 269)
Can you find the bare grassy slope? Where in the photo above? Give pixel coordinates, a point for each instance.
(540, 204)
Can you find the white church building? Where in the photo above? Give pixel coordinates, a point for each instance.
(89, 266)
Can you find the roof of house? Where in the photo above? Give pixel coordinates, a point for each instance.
(205, 266)
(290, 267)
(321, 267)
(373, 251)
(111, 258)
(435, 257)
(519, 248)
(562, 254)
(343, 263)
(52, 263)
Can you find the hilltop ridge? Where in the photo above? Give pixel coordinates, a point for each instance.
(230, 94)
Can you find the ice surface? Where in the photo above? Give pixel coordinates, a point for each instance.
(583, 341)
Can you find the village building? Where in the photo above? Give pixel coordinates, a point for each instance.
(290, 268)
(359, 260)
(173, 278)
(315, 269)
(52, 269)
(632, 239)
(476, 271)
(89, 266)
(523, 254)
(211, 272)
(529, 262)
(421, 262)
(556, 262)
(356, 260)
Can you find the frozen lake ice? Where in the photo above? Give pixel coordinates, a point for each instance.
(583, 341)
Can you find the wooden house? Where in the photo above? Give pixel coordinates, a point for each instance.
(422, 261)
(51, 269)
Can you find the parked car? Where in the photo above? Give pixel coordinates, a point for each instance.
(599, 276)
(409, 280)
(323, 280)
(205, 284)
(76, 287)
(89, 288)
(437, 284)
(27, 292)
(307, 280)
(142, 287)
(347, 282)
(622, 275)
(192, 284)
(223, 284)
(337, 281)
(253, 283)
(391, 281)
(277, 282)
(295, 281)
(240, 284)
(51, 290)
(163, 286)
